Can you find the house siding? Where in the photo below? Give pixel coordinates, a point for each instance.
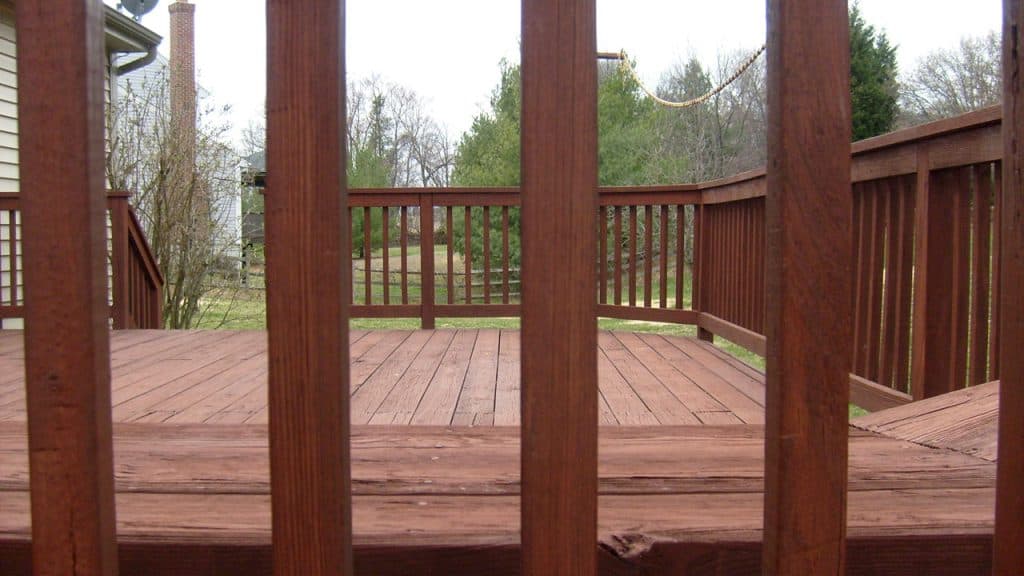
(8, 101)
(11, 287)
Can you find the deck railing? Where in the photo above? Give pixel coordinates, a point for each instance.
(924, 286)
(134, 280)
(925, 247)
(472, 230)
(806, 436)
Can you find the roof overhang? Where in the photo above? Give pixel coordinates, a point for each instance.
(126, 35)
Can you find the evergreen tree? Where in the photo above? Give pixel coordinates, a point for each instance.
(488, 154)
(369, 168)
(873, 88)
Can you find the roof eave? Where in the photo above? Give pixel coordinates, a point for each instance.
(126, 35)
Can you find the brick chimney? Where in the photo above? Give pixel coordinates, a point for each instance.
(183, 73)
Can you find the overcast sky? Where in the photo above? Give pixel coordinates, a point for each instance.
(448, 50)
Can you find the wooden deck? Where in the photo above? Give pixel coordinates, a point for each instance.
(192, 470)
(424, 377)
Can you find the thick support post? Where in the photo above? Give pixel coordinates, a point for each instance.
(67, 345)
(559, 334)
(307, 305)
(1009, 532)
(809, 207)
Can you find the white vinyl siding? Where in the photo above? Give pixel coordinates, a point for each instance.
(8, 101)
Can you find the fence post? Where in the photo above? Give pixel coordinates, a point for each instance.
(427, 260)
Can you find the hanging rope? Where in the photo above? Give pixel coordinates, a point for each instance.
(625, 63)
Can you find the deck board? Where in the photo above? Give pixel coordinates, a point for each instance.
(965, 421)
(688, 489)
(192, 470)
(444, 377)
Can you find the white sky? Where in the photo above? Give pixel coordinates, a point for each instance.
(448, 50)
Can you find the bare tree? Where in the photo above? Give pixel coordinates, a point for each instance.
(950, 82)
(187, 208)
(414, 148)
(722, 136)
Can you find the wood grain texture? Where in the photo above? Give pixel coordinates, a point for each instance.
(963, 421)
(1009, 530)
(307, 312)
(559, 324)
(67, 347)
(674, 500)
(808, 287)
(214, 376)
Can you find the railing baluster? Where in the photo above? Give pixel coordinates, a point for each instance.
(962, 276)
(663, 239)
(1009, 513)
(487, 254)
(981, 223)
(367, 258)
(890, 295)
(648, 255)
(905, 281)
(505, 263)
(617, 231)
(559, 331)
(997, 291)
(404, 241)
(632, 254)
(602, 255)
(874, 271)
(808, 334)
(427, 261)
(307, 317)
(468, 254)
(450, 234)
(385, 253)
(697, 271)
(860, 277)
(67, 345)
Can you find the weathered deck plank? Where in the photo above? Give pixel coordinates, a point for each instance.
(464, 377)
(667, 493)
(965, 421)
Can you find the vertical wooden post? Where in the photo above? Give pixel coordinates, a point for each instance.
(307, 312)
(932, 371)
(698, 275)
(809, 207)
(67, 346)
(427, 260)
(118, 206)
(559, 334)
(1009, 531)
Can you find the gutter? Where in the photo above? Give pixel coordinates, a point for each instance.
(144, 60)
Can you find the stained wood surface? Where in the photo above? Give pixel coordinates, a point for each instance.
(1009, 305)
(964, 421)
(308, 279)
(61, 118)
(673, 499)
(808, 300)
(408, 377)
